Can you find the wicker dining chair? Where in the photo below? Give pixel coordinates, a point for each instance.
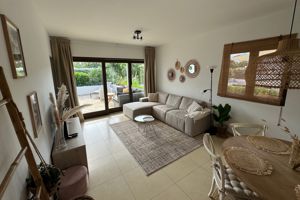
(224, 180)
(253, 129)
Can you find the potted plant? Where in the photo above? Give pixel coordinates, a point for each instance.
(221, 115)
(51, 176)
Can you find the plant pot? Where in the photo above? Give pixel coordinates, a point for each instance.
(294, 160)
(222, 131)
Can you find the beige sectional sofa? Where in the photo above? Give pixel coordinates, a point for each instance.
(172, 110)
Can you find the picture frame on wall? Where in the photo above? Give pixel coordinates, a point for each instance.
(14, 47)
(35, 113)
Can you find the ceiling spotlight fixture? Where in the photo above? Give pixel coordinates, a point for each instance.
(137, 35)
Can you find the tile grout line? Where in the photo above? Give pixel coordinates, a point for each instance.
(122, 174)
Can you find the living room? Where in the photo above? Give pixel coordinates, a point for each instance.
(103, 31)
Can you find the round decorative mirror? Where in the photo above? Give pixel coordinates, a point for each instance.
(192, 68)
(177, 65)
(182, 69)
(171, 74)
(182, 78)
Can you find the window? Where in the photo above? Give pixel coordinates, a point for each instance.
(237, 78)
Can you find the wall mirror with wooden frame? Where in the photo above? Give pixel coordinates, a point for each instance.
(238, 72)
(192, 68)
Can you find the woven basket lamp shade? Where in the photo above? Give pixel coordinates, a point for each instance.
(280, 69)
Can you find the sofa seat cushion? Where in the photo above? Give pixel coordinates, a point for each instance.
(176, 119)
(159, 111)
(134, 109)
(174, 100)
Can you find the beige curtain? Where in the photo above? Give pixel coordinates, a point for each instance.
(149, 70)
(62, 69)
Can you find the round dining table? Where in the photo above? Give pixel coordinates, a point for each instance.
(279, 185)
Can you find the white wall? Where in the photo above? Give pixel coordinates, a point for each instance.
(105, 50)
(36, 51)
(208, 48)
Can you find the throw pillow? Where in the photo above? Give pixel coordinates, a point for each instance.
(125, 90)
(194, 107)
(196, 115)
(153, 97)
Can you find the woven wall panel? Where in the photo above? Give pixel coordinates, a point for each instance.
(279, 71)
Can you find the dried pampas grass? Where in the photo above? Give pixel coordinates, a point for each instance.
(59, 111)
(72, 111)
(62, 96)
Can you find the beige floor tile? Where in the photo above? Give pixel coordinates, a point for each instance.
(116, 189)
(97, 150)
(102, 170)
(107, 133)
(172, 193)
(199, 156)
(145, 187)
(197, 184)
(207, 166)
(91, 134)
(125, 161)
(180, 168)
(115, 146)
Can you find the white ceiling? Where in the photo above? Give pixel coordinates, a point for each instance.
(162, 21)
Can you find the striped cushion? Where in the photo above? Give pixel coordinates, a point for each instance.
(236, 187)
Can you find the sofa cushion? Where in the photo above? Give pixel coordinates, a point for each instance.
(194, 107)
(153, 97)
(176, 119)
(185, 103)
(159, 111)
(162, 97)
(174, 100)
(134, 109)
(196, 115)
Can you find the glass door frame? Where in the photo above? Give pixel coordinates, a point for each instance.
(103, 62)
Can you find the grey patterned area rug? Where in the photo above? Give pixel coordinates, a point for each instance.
(155, 149)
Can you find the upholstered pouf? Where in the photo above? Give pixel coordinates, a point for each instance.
(74, 182)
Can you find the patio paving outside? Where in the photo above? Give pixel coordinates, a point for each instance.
(97, 104)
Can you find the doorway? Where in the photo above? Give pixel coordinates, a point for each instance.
(107, 83)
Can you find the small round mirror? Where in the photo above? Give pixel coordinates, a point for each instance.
(192, 68)
(171, 74)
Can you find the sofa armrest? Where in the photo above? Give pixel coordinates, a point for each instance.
(144, 99)
(194, 126)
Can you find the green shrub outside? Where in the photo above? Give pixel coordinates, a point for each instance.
(258, 91)
(136, 84)
(236, 89)
(90, 77)
(82, 78)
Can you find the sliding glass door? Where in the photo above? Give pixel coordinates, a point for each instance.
(117, 84)
(89, 81)
(108, 84)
